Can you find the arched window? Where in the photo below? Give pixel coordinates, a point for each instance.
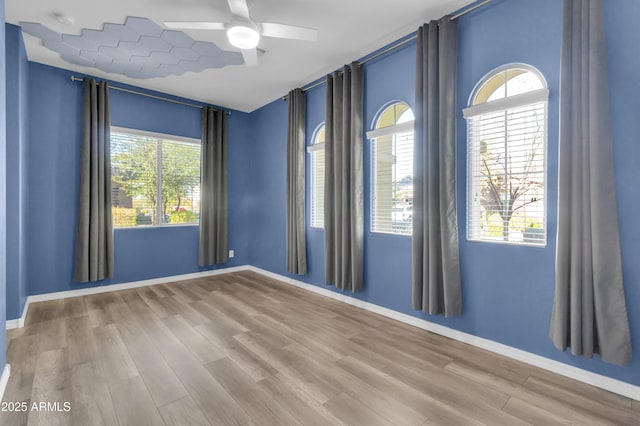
(507, 125)
(392, 170)
(316, 150)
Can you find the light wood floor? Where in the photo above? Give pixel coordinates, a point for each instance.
(244, 349)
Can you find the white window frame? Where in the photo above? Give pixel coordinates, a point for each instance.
(500, 105)
(158, 137)
(312, 150)
(372, 135)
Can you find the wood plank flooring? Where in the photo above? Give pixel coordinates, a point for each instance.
(245, 349)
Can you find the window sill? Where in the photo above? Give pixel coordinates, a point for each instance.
(390, 234)
(507, 243)
(177, 225)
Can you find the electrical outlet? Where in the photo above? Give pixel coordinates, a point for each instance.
(231, 254)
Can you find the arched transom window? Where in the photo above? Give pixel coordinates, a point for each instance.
(392, 170)
(507, 125)
(316, 151)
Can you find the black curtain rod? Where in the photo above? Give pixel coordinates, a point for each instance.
(395, 46)
(161, 98)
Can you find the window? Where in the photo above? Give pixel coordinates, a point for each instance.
(507, 124)
(316, 150)
(155, 179)
(392, 170)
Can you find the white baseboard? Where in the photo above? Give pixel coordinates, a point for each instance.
(600, 381)
(4, 379)
(17, 323)
(588, 377)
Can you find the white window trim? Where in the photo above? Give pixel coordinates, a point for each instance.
(372, 135)
(159, 137)
(315, 147)
(504, 104)
(312, 150)
(407, 126)
(515, 101)
(154, 135)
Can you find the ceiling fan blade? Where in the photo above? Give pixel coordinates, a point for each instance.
(179, 25)
(250, 57)
(239, 8)
(288, 31)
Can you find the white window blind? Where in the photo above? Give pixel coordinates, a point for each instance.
(317, 189)
(317, 178)
(507, 150)
(392, 183)
(155, 179)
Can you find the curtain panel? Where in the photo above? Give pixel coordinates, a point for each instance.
(435, 257)
(214, 227)
(589, 311)
(94, 228)
(343, 209)
(296, 239)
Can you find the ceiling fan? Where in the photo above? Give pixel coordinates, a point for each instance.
(244, 33)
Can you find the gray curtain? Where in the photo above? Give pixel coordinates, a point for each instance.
(589, 310)
(435, 258)
(296, 241)
(343, 198)
(94, 229)
(214, 192)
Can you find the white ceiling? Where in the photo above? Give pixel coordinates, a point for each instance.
(348, 30)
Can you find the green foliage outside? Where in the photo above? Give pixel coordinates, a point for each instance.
(135, 172)
(184, 216)
(494, 227)
(123, 217)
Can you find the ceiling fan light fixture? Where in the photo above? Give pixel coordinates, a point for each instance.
(243, 36)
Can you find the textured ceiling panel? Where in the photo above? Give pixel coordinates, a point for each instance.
(121, 32)
(61, 48)
(134, 48)
(98, 37)
(192, 66)
(116, 53)
(206, 49)
(42, 32)
(78, 60)
(177, 38)
(95, 56)
(154, 43)
(139, 48)
(143, 26)
(184, 53)
(79, 42)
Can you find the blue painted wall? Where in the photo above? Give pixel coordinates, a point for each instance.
(507, 290)
(17, 65)
(3, 186)
(54, 148)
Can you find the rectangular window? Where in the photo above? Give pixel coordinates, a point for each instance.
(316, 151)
(155, 179)
(392, 183)
(317, 188)
(507, 175)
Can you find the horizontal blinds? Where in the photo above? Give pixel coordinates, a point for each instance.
(180, 173)
(317, 188)
(154, 181)
(392, 185)
(134, 188)
(507, 175)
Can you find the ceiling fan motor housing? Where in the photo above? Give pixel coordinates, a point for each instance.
(243, 33)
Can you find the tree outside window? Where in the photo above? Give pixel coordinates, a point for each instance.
(507, 165)
(139, 164)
